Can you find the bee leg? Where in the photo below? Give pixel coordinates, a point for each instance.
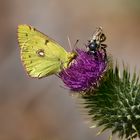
(102, 37)
(104, 45)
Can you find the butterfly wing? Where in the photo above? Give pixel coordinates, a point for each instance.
(41, 55)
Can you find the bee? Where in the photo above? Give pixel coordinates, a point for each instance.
(96, 43)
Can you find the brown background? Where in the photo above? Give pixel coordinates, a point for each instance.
(33, 109)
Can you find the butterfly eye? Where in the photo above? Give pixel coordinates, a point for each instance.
(41, 53)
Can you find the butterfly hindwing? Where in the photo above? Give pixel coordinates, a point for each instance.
(41, 55)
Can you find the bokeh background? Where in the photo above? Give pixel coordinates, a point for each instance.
(32, 109)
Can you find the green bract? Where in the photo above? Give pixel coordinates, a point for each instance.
(115, 105)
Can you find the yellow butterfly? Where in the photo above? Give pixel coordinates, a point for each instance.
(41, 55)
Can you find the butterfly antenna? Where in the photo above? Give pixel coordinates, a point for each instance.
(69, 42)
(75, 44)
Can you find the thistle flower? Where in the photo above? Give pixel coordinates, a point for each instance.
(85, 71)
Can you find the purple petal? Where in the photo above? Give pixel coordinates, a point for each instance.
(84, 71)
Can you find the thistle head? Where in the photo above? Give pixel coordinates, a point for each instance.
(85, 71)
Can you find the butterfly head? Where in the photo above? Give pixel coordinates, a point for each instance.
(70, 57)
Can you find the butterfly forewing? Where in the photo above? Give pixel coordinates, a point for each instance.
(41, 55)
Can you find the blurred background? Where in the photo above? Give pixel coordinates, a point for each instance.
(32, 109)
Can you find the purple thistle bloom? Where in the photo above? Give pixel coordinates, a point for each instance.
(84, 71)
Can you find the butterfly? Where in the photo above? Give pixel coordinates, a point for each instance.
(41, 55)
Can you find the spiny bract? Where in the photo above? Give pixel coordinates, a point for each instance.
(115, 104)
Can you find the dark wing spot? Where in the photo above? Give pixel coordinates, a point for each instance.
(46, 41)
(29, 27)
(40, 53)
(26, 34)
